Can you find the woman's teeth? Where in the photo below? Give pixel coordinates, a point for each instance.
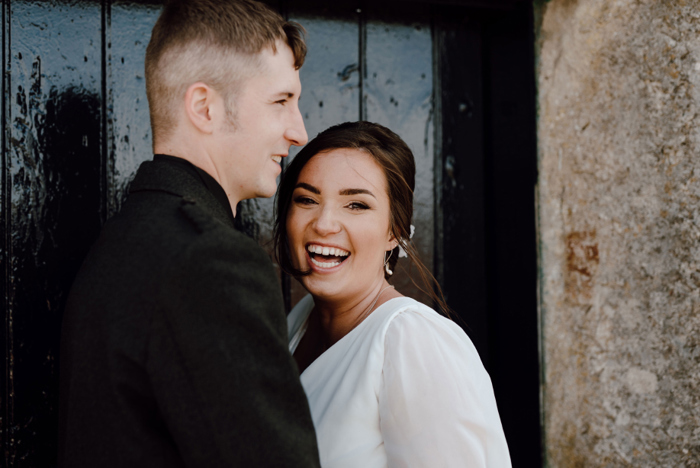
(324, 264)
(277, 159)
(317, 250)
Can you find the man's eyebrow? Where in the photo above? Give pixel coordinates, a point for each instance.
(308, 187)
(285, 94)
(356, 191)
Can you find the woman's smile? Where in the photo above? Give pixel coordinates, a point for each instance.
(325, 257)
(338, 224)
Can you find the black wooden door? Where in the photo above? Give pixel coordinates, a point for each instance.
(454, 78)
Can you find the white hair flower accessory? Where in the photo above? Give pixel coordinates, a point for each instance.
(402, 252)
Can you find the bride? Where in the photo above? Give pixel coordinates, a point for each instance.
(390, 382)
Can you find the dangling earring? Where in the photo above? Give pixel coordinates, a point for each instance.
(386, 264)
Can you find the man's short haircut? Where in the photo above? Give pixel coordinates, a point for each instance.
(213, 41)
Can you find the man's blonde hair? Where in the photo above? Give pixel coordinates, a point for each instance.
(216, 42)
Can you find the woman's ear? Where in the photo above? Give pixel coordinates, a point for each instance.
(392, 243)
(202, 107)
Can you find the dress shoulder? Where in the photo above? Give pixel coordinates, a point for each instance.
(407, 310)
(436, 402)
(419, 323)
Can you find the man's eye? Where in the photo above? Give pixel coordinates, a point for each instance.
(281, 101)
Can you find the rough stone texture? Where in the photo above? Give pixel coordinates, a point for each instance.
(619, 225)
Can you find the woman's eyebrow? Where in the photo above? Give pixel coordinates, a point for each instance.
(308, 187)
(356, 191)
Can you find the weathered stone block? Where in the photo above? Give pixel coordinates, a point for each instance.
(619, 227)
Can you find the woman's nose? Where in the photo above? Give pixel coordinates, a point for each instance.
(326, 223)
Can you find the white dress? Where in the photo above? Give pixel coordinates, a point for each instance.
(405, 388)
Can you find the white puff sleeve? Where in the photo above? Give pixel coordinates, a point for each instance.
(436, 402)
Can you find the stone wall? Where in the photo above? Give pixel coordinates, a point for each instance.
(619, 227)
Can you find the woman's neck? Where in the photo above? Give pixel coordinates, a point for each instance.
(338, 318)
(331, 320)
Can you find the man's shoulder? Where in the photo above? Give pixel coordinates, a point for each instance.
(159, 222)
(210, 236)
(168, 198)
(156, 246)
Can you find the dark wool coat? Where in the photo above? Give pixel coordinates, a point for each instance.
(174, 346)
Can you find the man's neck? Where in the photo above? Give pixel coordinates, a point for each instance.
(198, 158)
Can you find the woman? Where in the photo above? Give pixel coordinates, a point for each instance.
(390, 382)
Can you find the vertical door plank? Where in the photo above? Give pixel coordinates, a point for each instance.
(55, 160)
(330, 77)
(129, 121)
(398, 93)
(511, 173)
(6, 413)
(463, 211)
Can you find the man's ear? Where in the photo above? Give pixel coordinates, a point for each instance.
(201, 106)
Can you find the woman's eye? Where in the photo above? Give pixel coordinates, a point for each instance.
(303, 201)
(358, 206)
(281, 101)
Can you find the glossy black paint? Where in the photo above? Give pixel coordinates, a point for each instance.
(511, 175)
(463, 268)
(453, 77)
(52, 166)
(488, 262)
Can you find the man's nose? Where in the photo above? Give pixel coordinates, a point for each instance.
(296, 131)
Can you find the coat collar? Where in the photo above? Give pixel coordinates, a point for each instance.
(181, 178)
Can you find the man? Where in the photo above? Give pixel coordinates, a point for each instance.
(174, 348)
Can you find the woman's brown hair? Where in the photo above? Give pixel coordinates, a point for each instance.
(396, 160)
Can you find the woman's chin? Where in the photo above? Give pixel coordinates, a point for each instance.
(322, 287)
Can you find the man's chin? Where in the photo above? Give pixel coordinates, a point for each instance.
(268, 192)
